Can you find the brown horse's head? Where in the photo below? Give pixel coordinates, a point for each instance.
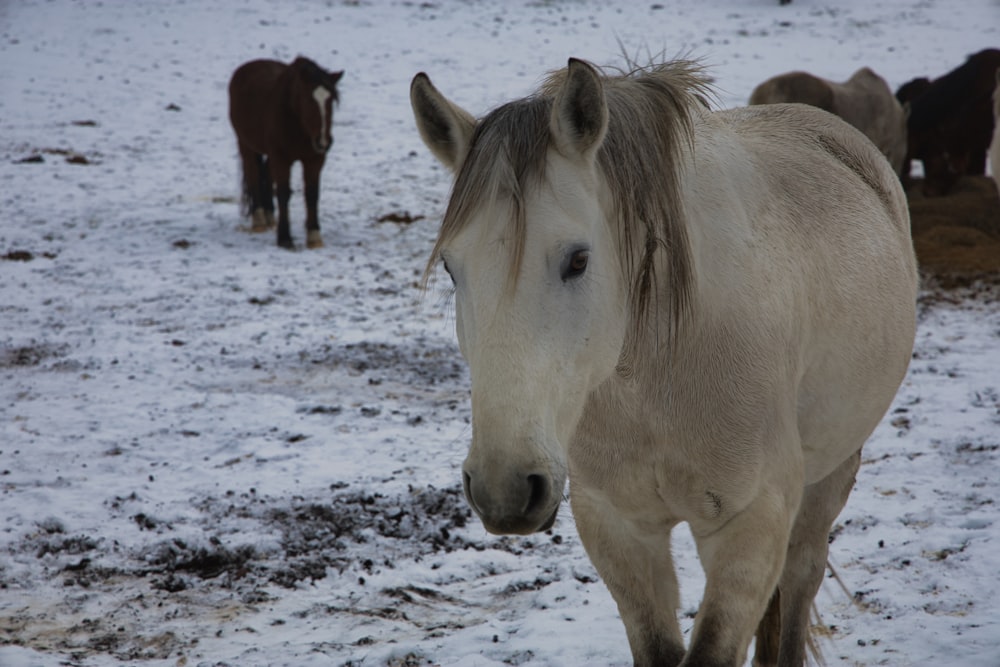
(951, 120)
(313, 95)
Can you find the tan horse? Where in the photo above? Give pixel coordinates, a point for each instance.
(696, 316)
(865, 101)
(995, 144)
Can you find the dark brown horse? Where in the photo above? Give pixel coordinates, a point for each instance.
(951, 121)
(282, 114)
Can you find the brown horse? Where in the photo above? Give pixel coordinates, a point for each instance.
(282, 114)
(951, 121)
(865, 101)
(995, 144)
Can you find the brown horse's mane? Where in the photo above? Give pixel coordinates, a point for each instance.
(650, 128)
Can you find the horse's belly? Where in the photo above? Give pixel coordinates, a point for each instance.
(844, 396)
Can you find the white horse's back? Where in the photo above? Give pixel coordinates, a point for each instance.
(864, 101)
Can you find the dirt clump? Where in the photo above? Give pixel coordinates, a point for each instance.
(957, 237)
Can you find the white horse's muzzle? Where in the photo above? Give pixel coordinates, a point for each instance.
(516, 503)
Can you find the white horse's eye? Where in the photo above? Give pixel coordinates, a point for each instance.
(576, 264)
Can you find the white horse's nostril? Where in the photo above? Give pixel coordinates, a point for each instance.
(539, 493)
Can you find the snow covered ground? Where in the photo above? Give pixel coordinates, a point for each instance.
(214, 451)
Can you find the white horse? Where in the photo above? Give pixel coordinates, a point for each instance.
(696, 316)
(865, 101)
(995, 143)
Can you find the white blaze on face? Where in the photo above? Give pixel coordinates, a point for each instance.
(321, 95)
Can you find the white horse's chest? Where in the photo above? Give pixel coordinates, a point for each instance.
(661, 472)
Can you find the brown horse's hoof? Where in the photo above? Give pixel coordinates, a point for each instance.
(261, 221)
(314, 240)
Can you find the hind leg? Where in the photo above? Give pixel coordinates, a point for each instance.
(255, 198)
(265, 188)
(768, 644)
(805, 563)
(638, 569)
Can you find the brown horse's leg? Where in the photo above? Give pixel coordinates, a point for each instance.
(972, 162)
(281, 171)
(310, 175)
(808, 548)
(266, 190)
(253, 175)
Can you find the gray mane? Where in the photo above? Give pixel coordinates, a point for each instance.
(649, 134)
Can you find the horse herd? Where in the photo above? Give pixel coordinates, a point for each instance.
(691, 316)
(283, 113)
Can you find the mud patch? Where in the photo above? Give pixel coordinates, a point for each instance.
(24, 256)
(400, 218)
(411, 364)
(108, 593)
(36, 156)
(30, 355)
(361, 530)
(365, 530)
(957, 237)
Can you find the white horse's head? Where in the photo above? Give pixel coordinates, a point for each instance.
(540, 298)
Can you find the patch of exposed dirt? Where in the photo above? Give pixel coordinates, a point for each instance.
(369, 530)
(109, 591)
(363, 529)
(24, 256)
(30, 355)
(399, 217)
(419, 366)
(957, 237)
(69, 155)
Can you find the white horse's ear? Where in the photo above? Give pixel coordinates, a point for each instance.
(445, 127)
(579, 113)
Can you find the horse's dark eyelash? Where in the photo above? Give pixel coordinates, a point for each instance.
(449, 292)
(444, 265)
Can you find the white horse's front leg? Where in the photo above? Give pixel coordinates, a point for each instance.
(639, 571)
(742, 560)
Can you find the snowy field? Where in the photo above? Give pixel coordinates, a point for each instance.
(217, 452)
